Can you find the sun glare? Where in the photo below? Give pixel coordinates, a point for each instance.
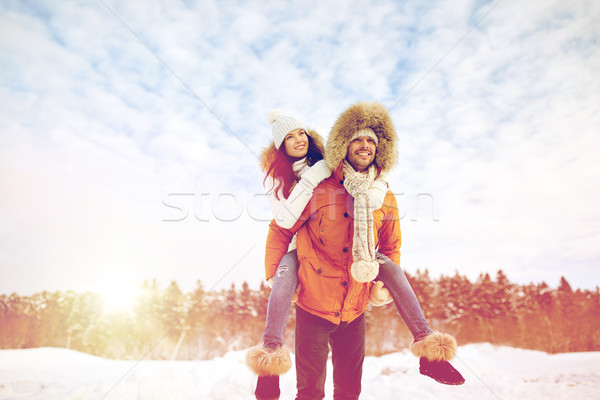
(119, 295)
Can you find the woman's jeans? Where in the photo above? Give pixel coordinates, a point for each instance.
(405, 300)
(392, 276)
(280, 299)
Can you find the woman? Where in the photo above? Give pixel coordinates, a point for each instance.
(294, 166)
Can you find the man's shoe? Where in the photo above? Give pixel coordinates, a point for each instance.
(441, 371)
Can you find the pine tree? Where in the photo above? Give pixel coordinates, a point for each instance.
(173, 320)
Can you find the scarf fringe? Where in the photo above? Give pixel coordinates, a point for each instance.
(365, 271)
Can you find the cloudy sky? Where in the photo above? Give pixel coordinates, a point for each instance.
(129, 133)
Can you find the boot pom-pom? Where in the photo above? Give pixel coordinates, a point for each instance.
(267, 362)
(436, 346)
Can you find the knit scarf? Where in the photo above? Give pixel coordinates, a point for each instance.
(365, 266)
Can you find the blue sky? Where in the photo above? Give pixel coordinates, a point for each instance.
(129, 133)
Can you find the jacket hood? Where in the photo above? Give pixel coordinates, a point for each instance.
(268, 153)
(364, 114)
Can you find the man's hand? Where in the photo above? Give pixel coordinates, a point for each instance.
(296, 292)
(380, 296)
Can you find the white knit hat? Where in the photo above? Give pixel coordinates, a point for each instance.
(368, 132)
(282, 125)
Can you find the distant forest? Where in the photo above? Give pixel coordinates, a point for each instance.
(166, 323)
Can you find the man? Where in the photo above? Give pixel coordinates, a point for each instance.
(338, 234)
(336, 241)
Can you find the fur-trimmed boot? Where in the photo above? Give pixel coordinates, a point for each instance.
(434, 351)
(267, 388)
(268, 363)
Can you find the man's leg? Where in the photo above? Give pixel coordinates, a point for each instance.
(348, 355)
(312, 337)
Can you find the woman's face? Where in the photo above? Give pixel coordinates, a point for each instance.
(296, 143)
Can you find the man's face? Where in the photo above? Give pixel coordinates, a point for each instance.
(361, 153)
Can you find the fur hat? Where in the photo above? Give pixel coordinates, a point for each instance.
(282, 125)
(268, 153)
(360, 116)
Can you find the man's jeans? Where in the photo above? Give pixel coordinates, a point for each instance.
(313, 337)
(280, 299)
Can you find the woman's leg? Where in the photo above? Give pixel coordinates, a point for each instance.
(272, 359)
(434, 349)
(405, 300)
(280, 300)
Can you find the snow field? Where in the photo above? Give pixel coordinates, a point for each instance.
(491, 372)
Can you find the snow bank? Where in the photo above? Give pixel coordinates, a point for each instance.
(491, 373)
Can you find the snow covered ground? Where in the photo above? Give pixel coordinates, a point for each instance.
(491, 373)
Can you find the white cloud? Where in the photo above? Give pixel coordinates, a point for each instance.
(507, 127)
(97, 132)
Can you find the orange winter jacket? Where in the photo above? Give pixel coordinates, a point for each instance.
(324, 244)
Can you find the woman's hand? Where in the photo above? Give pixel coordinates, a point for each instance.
(315, 174)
